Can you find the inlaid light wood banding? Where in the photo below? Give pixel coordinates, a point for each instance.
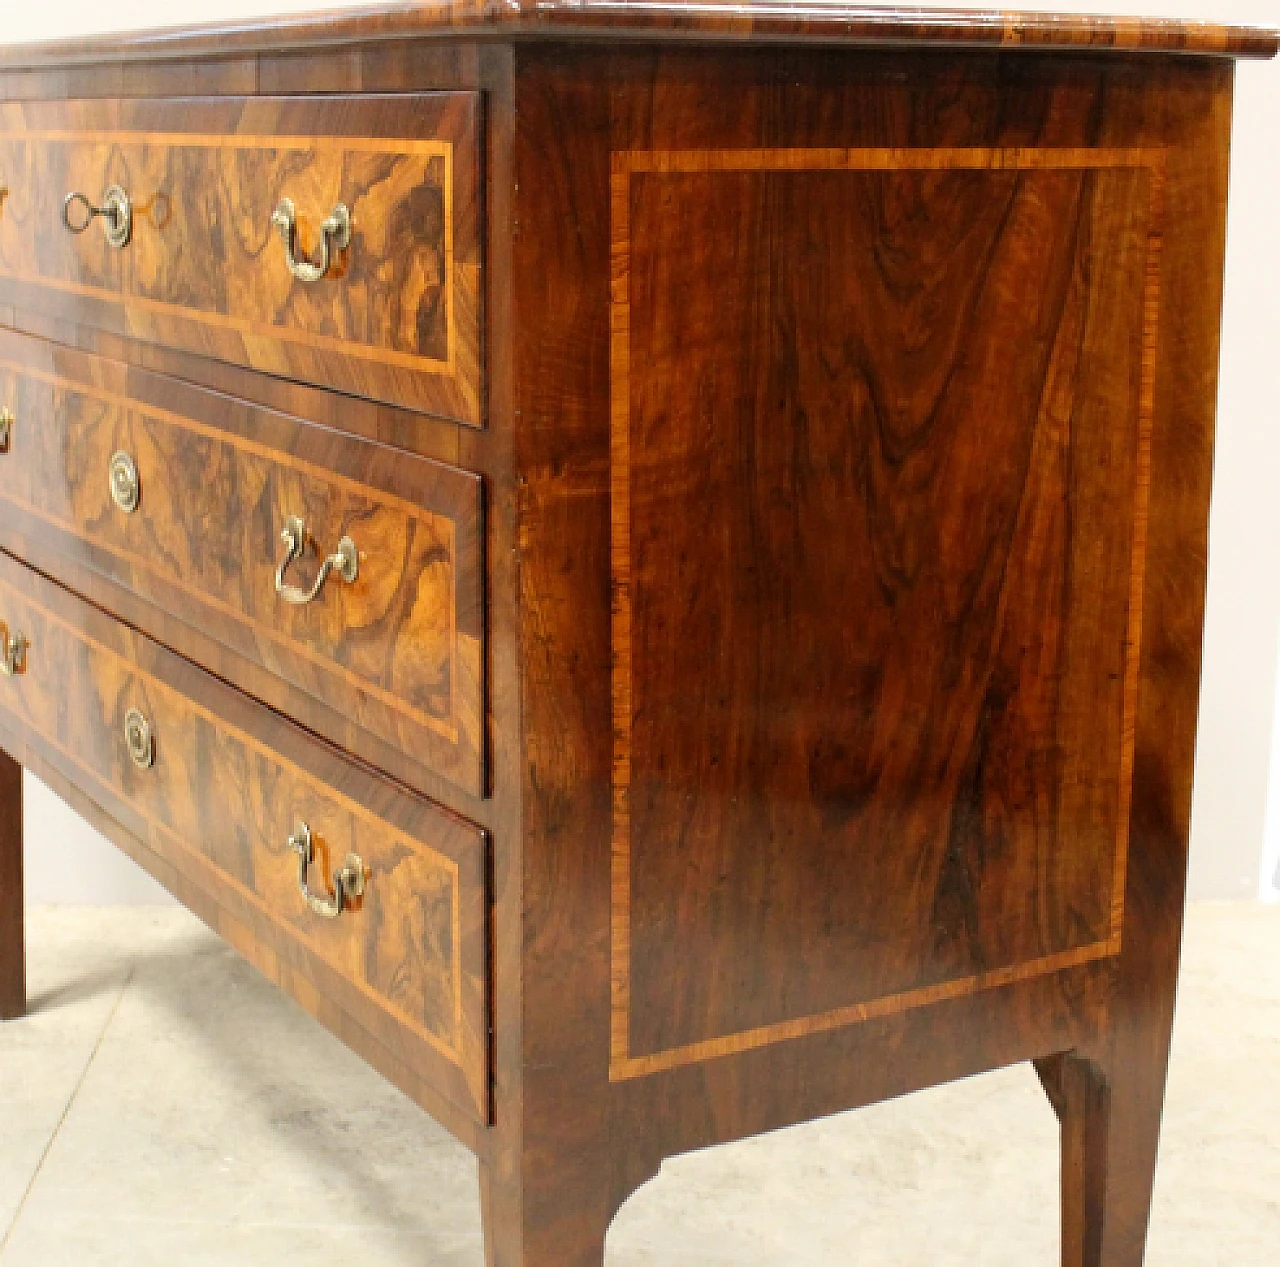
(160, 564)
(221, 803)
(398, 651)
(822, 444)
(398, 319)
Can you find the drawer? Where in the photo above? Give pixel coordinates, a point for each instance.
(217, 786)
(182, 495)
(205, 267)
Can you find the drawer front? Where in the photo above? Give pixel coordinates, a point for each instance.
(394, 654)
(218, 791)
(205, 268)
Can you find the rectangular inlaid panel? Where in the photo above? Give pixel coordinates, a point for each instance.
(396, 319)
(880, 449)
(228, 785)
(396, 653)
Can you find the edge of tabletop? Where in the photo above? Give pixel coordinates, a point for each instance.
(830, 22)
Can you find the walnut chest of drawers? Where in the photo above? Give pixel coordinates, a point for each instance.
(645, 563)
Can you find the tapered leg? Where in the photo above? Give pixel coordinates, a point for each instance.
(13, 962)
(557, 1222)
(1110, 1135)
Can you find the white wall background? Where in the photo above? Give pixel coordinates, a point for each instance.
(1236, 818)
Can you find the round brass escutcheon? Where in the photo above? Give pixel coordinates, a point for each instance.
(78, 213)
(118, 218)
(126, 489)
(141, 741)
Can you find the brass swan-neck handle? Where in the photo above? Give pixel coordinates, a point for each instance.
(345, 561)
(335, 234)
(348, 883)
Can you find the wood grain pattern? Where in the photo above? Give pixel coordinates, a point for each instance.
(963, 584)
(727, 21)
(220, 802)
(399, 651)
(252, 937)
(400, 66)
(1081, 1098)
(403, 429)
(580, 110)
(399, 319)
(548, 1196)
(568, 1144)
(13, 955)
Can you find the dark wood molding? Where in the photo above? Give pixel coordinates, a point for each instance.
(711, 21)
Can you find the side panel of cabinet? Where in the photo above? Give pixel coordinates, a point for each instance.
(881, 433)
(890, 442)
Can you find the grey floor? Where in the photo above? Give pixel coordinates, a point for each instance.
(163, 1105)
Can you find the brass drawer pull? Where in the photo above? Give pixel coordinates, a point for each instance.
(13, 652)
(346, 560)
(6, 429)
(78, 213)
(348, 883)
(126, 488)
(335, 232)
(140, 739)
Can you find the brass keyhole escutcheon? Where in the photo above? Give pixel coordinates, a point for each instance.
(126, 488)
(13, 652)
(116, 213)
(140, 739)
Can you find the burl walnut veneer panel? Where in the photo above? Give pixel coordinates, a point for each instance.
(227, 787)
(396, 653)
(398, 317)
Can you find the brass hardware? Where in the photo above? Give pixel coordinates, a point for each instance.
(116, 212)
(348, 883)
(13, 652)
(126, 489)
(346, 560)
(6, 429)
(335, 232)
(141, 741)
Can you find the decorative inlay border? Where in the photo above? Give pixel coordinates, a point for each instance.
(448, 730)
(452, 1050)
(623, 1065)
(431, 149)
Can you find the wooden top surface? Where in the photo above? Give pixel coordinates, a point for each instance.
(764, 21)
